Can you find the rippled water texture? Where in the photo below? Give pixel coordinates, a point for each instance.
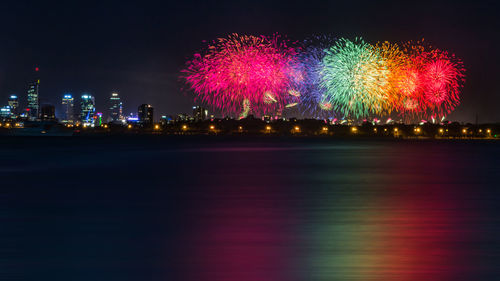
(214, 209)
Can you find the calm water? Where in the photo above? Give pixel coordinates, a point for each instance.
(248, 210)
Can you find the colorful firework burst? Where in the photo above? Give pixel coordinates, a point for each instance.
(244, 74)
(260, 70)
(355, 77)
(443, 76)
(313, 100)
(431, 81)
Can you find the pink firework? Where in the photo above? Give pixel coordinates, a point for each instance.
(261, 70)
(443, 77)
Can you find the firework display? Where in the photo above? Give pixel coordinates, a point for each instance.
(257, 72)
(314, 100)
(325, 76)
(430, 81)
(355, 78)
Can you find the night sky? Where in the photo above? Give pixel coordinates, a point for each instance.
(138, 48)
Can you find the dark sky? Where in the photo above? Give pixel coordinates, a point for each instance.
(138, 48)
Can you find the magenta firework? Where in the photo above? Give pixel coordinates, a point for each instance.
(239, 74)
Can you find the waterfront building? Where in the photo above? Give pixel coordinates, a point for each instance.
(33, 100)
(68, 105)
(199, 113)
(115, 109)
(182, 117)
(145, 114)
(48, 112)
(5, 112)
(166, 119)
(87, 110)
(14, 105)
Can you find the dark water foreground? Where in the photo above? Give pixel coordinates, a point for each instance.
(213, 209)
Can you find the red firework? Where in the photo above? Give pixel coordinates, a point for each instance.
(430, 84)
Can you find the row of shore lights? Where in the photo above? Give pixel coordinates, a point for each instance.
(296, 128)
(268, 128)
(9, 125)
(324, 129)
(418, 130)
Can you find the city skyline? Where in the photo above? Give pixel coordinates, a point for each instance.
(28, 105)
(111, 111)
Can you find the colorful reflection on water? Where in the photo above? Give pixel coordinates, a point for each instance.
(265, 210)
(373, 215)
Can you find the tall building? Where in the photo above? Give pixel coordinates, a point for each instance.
(68, 105)
(5, 112)
(145, 114)
(48, 112)
(14, 104)
(115, 109)
(199, 113)
(33, 100)
(87, 110)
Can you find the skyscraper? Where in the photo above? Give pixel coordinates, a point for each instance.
(199, 113)
(68, 105)
(115, 109)
(87, 110)
(48, 112)
(33, 100)
(145, 114)
(5, 112)
(14, 104)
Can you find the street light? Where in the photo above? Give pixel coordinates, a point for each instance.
(354, 129)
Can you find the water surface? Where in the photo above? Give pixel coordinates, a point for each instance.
(248, 209)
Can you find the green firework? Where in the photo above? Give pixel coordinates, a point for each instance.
(354, 76)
